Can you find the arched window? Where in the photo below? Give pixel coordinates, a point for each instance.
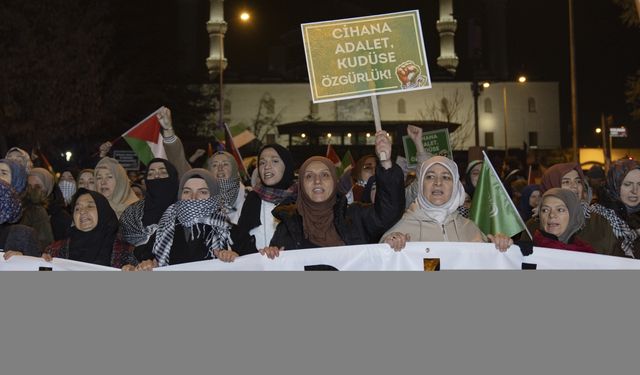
(532, 105)
(488, 107)
(402, 106)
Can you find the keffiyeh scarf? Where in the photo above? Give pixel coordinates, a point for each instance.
(194, 216)
(133, 230)
(620, 227)
(274, 195)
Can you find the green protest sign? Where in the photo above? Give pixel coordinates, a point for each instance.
(435, 142)
(365, 56)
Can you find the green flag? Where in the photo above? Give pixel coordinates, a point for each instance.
(492, 209)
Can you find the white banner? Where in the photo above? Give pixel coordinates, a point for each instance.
(26, 263)
(376, 257)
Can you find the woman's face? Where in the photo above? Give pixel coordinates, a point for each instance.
(368, 168)
(5, 173)
(573, 182)
(157, 170)
(437, 186)
(554, 216)
(16, 156)
(475, 174)
(534, 199)
(105, 182)
(630, 189)
(317, 182)
(220, 166)
(86, 180)
(85, 213)
(195, 189)
(67, 176)
(271, 167)
(35, 183)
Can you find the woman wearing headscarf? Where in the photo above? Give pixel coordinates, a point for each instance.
(14, 174)
(21, 157)
(224, 169)
(15, 239)
(321, 217)
(596, 229)
(94, 235)
(620, 204)
(561, 218)
(87, 180)
(34, 207)
(365, 168)
(529, 202)
(112, 182)
(68, 186)
(275, 187)
(139, 221)
(434, 216)
(42, 182)
(194, 228)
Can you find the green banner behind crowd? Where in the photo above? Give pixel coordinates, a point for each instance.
(492, 209)
(365, 56)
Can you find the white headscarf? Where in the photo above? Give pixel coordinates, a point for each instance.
(440, 213)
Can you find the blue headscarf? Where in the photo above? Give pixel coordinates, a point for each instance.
(10, 208)
(18, 175)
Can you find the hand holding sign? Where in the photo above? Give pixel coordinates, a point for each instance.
(383, 147)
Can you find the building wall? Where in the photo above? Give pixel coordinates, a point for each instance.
(291, 102)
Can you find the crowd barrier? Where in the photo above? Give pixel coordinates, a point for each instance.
(376, 257)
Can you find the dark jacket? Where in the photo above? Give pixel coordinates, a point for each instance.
(357, 223)
(21, 238)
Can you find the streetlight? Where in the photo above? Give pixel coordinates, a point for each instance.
(245, 16)
(68, 155)
(521, 79)
(598, 130)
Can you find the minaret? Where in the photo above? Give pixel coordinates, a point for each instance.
(216, 27)
(447, 26)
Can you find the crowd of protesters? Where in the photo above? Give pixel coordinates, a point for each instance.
(176, 213)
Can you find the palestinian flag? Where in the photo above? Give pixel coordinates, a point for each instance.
(145, 139)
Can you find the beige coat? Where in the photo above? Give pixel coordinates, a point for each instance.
(423, 228)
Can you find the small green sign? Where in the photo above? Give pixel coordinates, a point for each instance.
(435, 142)
(365, 56)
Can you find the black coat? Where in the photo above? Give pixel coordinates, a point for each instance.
(357, 223)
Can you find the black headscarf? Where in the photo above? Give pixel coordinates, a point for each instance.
(94, 246)
(160, 194)
(287, 177)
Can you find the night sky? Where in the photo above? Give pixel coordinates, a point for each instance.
(537, 46)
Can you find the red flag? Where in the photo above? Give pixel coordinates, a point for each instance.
(333, 155)
(233, 150)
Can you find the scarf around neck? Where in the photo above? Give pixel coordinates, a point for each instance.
(440, 213)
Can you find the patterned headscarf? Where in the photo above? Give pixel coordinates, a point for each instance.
(440, 213)
(24, 158)
(10, 208)
(617, 173)
(123, 196)
(317, 217)
(18, 175)
(576, 217)
(193, 216)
